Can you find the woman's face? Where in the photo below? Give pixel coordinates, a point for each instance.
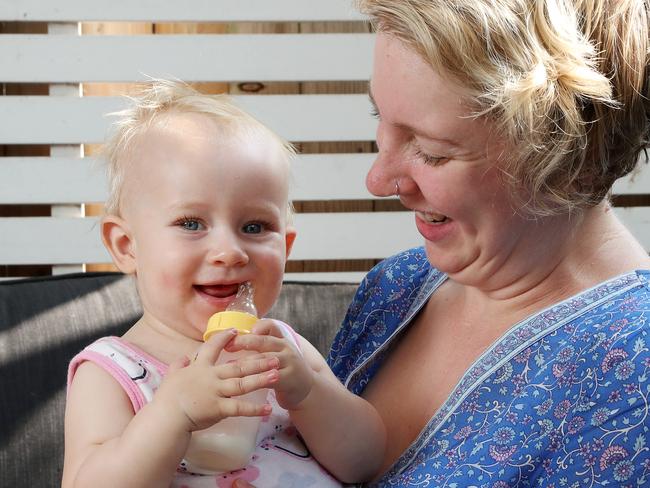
(446, 163)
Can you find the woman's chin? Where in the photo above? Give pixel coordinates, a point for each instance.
(448, 261)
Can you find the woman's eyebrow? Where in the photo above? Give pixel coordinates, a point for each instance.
(411, 129)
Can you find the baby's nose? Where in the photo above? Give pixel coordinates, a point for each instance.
(227, 251)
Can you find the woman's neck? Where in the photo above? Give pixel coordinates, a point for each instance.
(566, 257)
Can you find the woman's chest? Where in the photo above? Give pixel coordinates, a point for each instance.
(418, 375)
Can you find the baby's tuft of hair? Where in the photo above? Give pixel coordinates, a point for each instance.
(154, 101)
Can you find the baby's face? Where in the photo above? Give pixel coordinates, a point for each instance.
(207, 211)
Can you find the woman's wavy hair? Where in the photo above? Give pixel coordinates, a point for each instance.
(158, 98)
(565, 83)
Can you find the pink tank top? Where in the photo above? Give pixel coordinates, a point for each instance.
(280, 459)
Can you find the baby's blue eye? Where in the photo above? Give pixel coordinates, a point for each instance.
(252, 228)
(191, 225)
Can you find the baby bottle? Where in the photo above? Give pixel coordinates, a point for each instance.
(229, 444)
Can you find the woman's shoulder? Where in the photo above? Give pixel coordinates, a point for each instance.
(394, 283)
(410, 266)
(383, 298)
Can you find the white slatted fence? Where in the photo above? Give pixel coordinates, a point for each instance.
(295, 58)
(61, 120)
(173, 11)
(63, 58)
(197, 57)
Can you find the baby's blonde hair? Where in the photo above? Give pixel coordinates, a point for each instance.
(565, 83)
(163, 97)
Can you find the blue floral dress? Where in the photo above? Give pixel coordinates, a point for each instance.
(560, 400)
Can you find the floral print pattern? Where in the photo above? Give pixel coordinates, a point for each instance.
(560, 400)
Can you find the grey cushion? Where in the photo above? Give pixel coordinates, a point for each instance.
(46, 321)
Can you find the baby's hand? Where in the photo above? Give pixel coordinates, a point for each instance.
(197, 393)
(296, 376)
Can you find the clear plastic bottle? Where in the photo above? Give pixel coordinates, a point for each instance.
(229, 444)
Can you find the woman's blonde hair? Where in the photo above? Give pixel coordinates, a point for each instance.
(564, 81)
(162, 97)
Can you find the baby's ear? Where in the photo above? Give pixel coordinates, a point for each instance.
(119, 242)
(289, 237)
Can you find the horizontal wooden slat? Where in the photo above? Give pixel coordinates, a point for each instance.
(69, 120)
(327, 277)
(31, 180)
(68, 180)
(638, 183)
(331, 176)
(169, 11)
(44, 240)
(637, 219)
(51, 180)
(354, 235)
(258, 57)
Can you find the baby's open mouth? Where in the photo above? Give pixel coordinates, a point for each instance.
(218, 291)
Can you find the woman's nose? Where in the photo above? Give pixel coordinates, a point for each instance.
(387, 169)
(375, 182)
(382, 177)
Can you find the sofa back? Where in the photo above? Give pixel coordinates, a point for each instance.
(44, 322)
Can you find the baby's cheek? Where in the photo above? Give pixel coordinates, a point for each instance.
(168, 279)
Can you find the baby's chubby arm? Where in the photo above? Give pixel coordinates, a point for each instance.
(342, 430)
(107, 445)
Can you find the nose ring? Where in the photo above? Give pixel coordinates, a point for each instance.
(397, 188)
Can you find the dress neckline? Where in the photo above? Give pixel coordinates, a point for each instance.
(512, 342)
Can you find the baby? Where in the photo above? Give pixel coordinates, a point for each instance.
(198, 205)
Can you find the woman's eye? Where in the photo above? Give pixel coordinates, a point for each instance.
(252, 228)
(428, 159)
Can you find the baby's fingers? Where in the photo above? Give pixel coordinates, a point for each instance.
(241, 385)
(209, 352)
(271, 327)
(255, 342)
(248, 366)
(241, 483)
(240, 408)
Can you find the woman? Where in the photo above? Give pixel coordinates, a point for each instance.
(511, 350)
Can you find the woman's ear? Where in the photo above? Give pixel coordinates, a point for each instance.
(289, 237)
(117, 238)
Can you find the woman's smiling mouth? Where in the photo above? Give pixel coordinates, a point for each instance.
(431, 218)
